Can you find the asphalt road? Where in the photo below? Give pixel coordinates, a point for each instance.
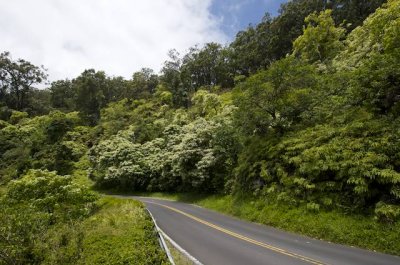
(217, 239)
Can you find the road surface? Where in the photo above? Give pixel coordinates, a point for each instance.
(217, 239)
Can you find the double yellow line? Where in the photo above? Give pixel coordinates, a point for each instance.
(255, 242)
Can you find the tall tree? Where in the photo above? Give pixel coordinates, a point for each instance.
(257, 47)
(207, 66)
(373, 53)
(17, 79)
(39, 102)
(143, 83)
(171, 79)
(89, 94)
(274, 99)
(62, 95)
(353, 12)
(321, 40)
(117, 88)
(272, 39)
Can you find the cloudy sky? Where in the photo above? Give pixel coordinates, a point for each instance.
(118, 36)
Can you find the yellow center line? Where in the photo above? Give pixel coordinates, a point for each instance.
(255, 242)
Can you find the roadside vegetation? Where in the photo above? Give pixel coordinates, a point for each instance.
(47, 219)
(297, 130)
(179, 258)
(121, 233)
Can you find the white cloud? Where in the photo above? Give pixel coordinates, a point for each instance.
(118, 36)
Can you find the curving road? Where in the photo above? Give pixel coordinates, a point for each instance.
(214, 238)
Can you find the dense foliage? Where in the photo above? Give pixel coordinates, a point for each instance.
(302, 109)
(36, 208)
(51, 219)
(187, 153)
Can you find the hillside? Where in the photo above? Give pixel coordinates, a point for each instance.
(304, 122)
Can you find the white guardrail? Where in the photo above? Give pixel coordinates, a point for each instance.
(161, 235)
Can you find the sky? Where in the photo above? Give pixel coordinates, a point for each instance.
(118, 36)
(235, 15)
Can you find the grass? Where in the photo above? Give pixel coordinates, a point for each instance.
(334, 226)
(120, 233)
(178, 257)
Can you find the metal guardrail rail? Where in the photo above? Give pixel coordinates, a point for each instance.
(161, 239)
(180, 249)
(161, 234)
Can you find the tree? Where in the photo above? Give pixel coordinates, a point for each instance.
(117, 88)
(274, 99)
(39, 102)
(171, 79)
(321, 40)
(372, 54)
(194, 156)
(143, 84)
(353, 13)
(352, 161)
(89, 94)
(272, 39)
(63, 95)
(289, 24)
(206, 67)
(16, 80)
(252, 48)
(244, 52)
(206, 104)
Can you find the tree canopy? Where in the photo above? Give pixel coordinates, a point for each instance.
(301, 109)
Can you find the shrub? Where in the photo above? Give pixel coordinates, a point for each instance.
(17, 116)
(387, 212)
(53, 194)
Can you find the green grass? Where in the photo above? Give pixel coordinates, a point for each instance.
(3, 189)
(179, 258)
(120, 233)
(334, 226)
